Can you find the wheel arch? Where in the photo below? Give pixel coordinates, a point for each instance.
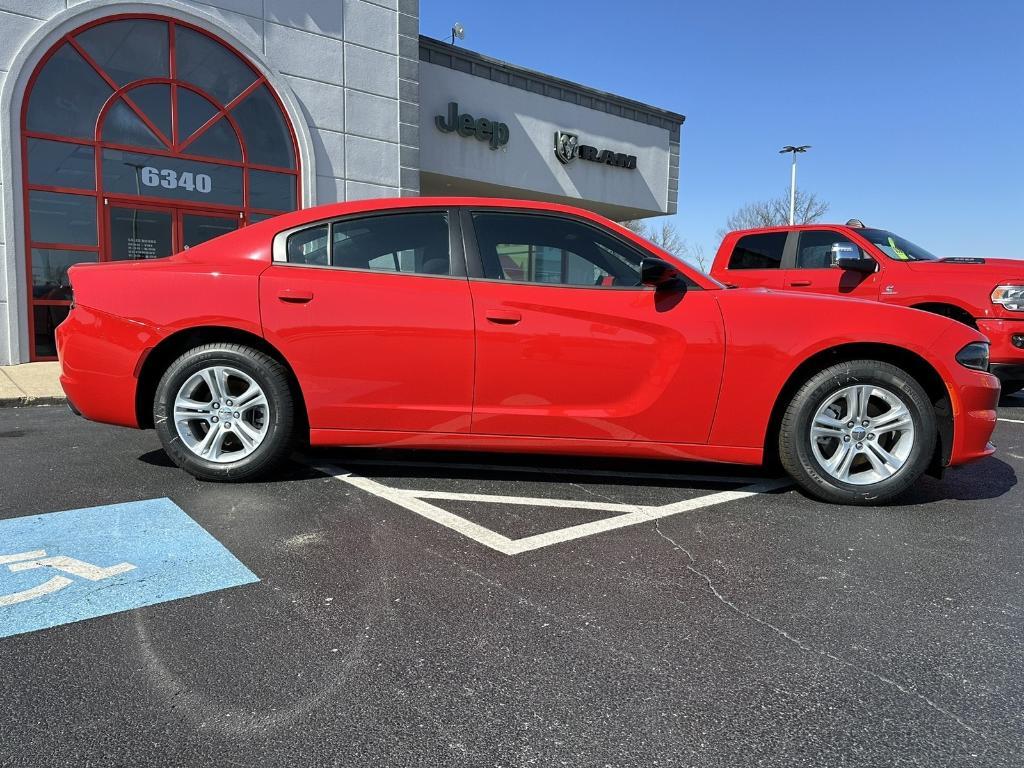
(946, 309)
(175, 345)
(916, 365)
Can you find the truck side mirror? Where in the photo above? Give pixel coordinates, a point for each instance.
(847, 256)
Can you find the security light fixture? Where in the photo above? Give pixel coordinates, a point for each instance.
(458, 31)
(792, 180)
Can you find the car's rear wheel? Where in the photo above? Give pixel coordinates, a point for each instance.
(225, 412)
(860, 432)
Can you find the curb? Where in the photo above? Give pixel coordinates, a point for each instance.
(23, 402)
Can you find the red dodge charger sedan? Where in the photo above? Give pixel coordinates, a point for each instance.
(506, 325)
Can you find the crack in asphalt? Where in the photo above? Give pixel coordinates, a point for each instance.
(803, 646)
(595, 494)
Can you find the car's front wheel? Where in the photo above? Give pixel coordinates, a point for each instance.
(860, 432)
(225, 412)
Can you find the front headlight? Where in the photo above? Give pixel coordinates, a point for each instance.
(974, 355)
(1009, 296)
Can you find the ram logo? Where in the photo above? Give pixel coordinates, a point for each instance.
(566, 145)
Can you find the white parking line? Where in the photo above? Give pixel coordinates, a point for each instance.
(528, 501)
(633, 514)
(1012, 421)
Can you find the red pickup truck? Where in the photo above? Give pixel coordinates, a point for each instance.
(858, 261)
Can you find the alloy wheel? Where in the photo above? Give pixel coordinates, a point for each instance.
(221, 414)
(862, 434)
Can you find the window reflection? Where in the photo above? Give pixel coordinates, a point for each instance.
(136, 173)
(210, 66)
(122, 126)
(272, 191)
(67, 96)
(46, 318)
(129, 49)
(266, 135)
(55, 217)
(219, 141)
(155, 102)
(50, 271)
(60, 164)
(193, 112)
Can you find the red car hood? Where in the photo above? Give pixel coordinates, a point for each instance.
(988, 269)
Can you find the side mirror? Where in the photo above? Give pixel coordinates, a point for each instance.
(846, 256)
(658, 272)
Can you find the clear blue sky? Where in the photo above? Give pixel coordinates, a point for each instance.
(914, 108)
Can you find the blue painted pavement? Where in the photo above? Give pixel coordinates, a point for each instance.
(68, 566)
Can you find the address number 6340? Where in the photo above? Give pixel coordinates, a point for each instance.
(171, 179)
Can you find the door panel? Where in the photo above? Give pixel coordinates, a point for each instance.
(197, 228)
(372, 350)
(595, 363)
(812, 270)
(140, 232)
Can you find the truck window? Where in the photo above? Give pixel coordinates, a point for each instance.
(815, 248)
(762, 251)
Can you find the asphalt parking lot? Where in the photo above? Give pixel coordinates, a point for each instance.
(396, 609)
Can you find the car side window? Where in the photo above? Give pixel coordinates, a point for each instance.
(310, 246)
(531, 248)
(763, 251)
(815, 248)
(413, 243)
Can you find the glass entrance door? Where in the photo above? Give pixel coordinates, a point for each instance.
(143, 231)
(199, 227)
(140, 232)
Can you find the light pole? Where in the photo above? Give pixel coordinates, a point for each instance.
(792, 180)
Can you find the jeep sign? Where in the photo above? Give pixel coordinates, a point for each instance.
(491, 131)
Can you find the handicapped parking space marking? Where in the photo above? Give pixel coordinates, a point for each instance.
(105, 560)
(25, 561)
(630, 514)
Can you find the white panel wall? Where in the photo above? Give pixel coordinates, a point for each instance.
(528, 163)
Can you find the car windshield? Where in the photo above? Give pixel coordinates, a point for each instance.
(896, 247)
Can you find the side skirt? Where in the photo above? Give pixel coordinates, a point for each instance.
(516, 444)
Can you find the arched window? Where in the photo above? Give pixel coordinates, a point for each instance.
(143, 136)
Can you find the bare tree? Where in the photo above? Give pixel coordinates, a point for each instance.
(667, 237)
(696, 256)
(775, 212)
(635, 225)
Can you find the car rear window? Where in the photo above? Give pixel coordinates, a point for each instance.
(412, 242)
(310, 246)
(762, 251)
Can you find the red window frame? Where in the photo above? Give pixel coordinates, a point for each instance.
(174, 146)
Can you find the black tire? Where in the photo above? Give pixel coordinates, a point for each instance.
(267, 373)
(797, 456)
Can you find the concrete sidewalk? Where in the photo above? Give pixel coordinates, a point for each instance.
(30, 384)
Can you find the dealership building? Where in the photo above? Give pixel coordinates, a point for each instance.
(132, 130)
